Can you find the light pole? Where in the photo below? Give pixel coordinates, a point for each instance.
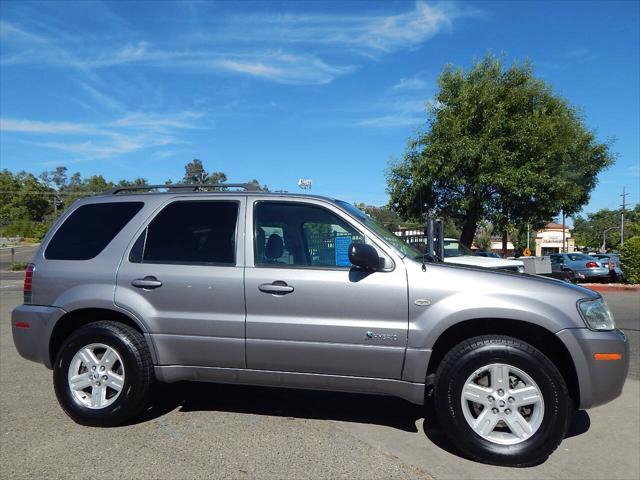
(604, 238)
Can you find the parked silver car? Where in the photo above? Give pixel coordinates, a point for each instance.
(580, 266)
(612, 262)
(306, 292)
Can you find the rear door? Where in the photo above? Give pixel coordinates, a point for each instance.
(308, 308)
(183, 274)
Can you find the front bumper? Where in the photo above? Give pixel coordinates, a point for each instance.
(599, 381)
(31, 326)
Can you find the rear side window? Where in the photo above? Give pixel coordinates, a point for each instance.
(198, 232)
(89, 229)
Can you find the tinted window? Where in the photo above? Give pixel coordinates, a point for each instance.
(578, 256)
(301, 235)
(202, 232)
(89, 229)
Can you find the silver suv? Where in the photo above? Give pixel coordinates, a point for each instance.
(301, 291)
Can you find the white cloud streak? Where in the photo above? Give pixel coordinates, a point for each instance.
(258, 46)
(132, 132)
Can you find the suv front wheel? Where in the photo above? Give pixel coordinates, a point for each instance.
(502, 401)
(103, 374)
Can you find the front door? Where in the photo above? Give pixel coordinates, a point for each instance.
(308, 309)
(184, 276)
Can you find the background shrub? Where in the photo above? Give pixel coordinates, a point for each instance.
(630, 259)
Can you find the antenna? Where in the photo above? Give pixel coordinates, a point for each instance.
(305, 183)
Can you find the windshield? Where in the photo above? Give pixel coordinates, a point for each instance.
(453, 248)
(393, 240)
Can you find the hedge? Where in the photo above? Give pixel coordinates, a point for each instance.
(630, 259)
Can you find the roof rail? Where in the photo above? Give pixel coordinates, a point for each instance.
(184, 187)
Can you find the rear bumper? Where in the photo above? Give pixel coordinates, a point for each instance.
(31, 326)
(599, 381)
(592, 273)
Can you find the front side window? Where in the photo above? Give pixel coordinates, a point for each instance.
(89, 229)
(197, 233)
(295, 234)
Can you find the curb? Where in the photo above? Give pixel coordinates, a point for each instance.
(611, 287)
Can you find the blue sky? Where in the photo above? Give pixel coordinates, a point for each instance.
(281, 90)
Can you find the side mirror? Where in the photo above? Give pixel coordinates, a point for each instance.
(364, 256)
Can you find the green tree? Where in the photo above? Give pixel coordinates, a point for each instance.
(24, 203)
(483, 237)
(630, 259)
(194, 172)
(262, 188)
(383, 215)
(589, 230)
(137, 182)
(501, 147)
(56, 180)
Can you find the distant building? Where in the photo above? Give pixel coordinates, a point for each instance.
(549, 239)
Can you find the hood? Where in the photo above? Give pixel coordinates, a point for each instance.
(486, 262)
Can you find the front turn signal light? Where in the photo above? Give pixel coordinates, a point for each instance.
(607, 356)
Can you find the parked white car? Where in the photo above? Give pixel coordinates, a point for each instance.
(456, 252)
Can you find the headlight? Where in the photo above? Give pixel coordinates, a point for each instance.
(596, 314)
(521, 269)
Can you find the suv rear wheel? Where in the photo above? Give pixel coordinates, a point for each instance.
(103, 374)
(502, 401)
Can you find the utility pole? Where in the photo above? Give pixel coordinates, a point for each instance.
(564, 241)
(624, 207)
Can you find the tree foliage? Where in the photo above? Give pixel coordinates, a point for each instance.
(29, 204)
(630, 259)
(383, 215)
(500, 147)
(589, 230)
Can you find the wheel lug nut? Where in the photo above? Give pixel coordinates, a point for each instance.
(104, 377)
(490, 398)
(98, 384)
(93, 368)
(494, 410)
(500, 392)
(102, 368)
(507, 411)
(511, 399)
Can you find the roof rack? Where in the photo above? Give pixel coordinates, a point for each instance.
(184, 187)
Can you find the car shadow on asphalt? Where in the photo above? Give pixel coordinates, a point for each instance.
(311, 404)
(283, 402)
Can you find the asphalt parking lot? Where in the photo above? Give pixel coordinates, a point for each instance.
(223, 431)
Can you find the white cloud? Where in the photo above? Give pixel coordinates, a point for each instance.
(131, 132)
(412, 83)
(30, 126)
(398, 113)
(284, 68)
(240, 44)
(370, 32)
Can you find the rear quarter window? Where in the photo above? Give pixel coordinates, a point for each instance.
(89, 229)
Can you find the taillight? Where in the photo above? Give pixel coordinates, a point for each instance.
(592, 265)
(28, 283)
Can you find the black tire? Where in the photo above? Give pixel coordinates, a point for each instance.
(463, 360)
(570, 276)
(138, 368)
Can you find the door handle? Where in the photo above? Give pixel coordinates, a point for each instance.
(278, 287)
(148, 282)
